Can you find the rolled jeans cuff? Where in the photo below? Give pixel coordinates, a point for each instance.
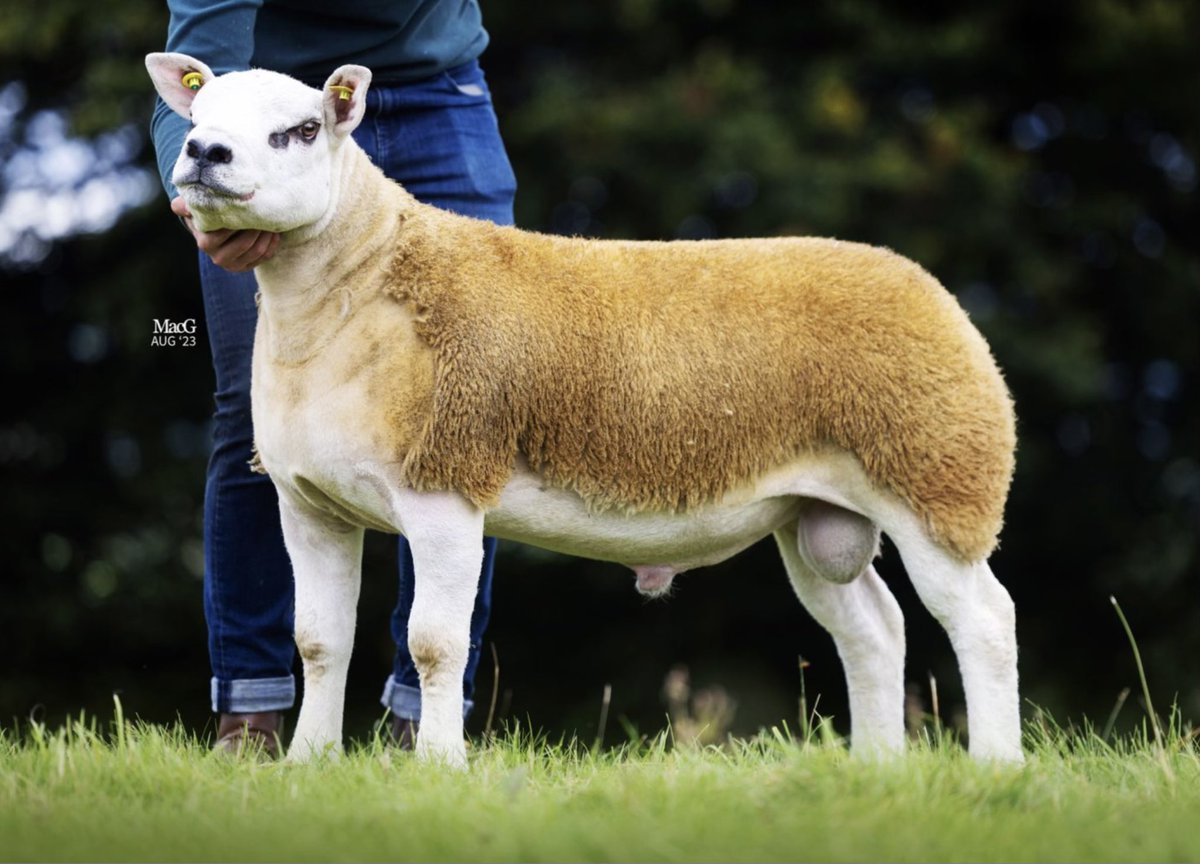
(253, 695)
(405, 701)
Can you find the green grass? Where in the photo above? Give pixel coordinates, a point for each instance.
(139, 792)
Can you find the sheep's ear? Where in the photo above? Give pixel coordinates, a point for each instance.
(345, 98)
(178, 78)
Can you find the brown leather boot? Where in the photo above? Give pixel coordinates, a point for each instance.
(259, 734)
(404, 732)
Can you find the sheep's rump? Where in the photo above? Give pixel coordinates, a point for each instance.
(662, 375)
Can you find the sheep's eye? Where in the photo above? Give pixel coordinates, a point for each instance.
(309, 130)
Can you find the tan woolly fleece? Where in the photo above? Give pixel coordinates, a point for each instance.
(662, 375)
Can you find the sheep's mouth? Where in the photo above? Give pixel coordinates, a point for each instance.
(208, 189)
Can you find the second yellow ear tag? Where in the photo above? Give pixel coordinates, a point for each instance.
(342, 91)
(193, 80)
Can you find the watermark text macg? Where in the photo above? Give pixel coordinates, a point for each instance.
(169, 334)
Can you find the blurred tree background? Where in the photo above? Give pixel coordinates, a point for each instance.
(1039, 158)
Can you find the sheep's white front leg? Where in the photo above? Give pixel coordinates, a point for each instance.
(445, 532)
(327, 562)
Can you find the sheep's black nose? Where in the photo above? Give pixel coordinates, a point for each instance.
(217, 154)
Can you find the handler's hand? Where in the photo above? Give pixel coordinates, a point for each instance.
(235, 251)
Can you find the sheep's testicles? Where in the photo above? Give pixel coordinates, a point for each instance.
(836, 544)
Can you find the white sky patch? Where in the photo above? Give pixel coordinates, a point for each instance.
(12, 100)
(56, 186)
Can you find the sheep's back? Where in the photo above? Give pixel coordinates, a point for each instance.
(662, 375)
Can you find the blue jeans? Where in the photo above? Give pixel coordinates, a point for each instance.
(439, 138)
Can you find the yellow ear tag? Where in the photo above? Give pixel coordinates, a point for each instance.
(193, 80)
(342, 91)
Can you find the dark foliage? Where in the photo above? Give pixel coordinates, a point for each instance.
(1039, 158)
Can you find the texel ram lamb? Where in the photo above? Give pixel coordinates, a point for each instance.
(660, 405)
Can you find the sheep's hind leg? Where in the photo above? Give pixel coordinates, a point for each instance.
(860, 613)
(979, 617)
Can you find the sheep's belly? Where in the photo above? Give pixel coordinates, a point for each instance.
(532, 512)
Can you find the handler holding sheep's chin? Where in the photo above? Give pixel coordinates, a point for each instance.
(430, 125)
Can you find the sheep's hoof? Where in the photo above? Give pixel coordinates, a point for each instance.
(302, 752)
(452, 755)
(1000, 757)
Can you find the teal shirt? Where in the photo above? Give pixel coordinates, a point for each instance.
(398, 40)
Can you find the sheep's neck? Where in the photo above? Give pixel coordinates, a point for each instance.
(322, 273)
